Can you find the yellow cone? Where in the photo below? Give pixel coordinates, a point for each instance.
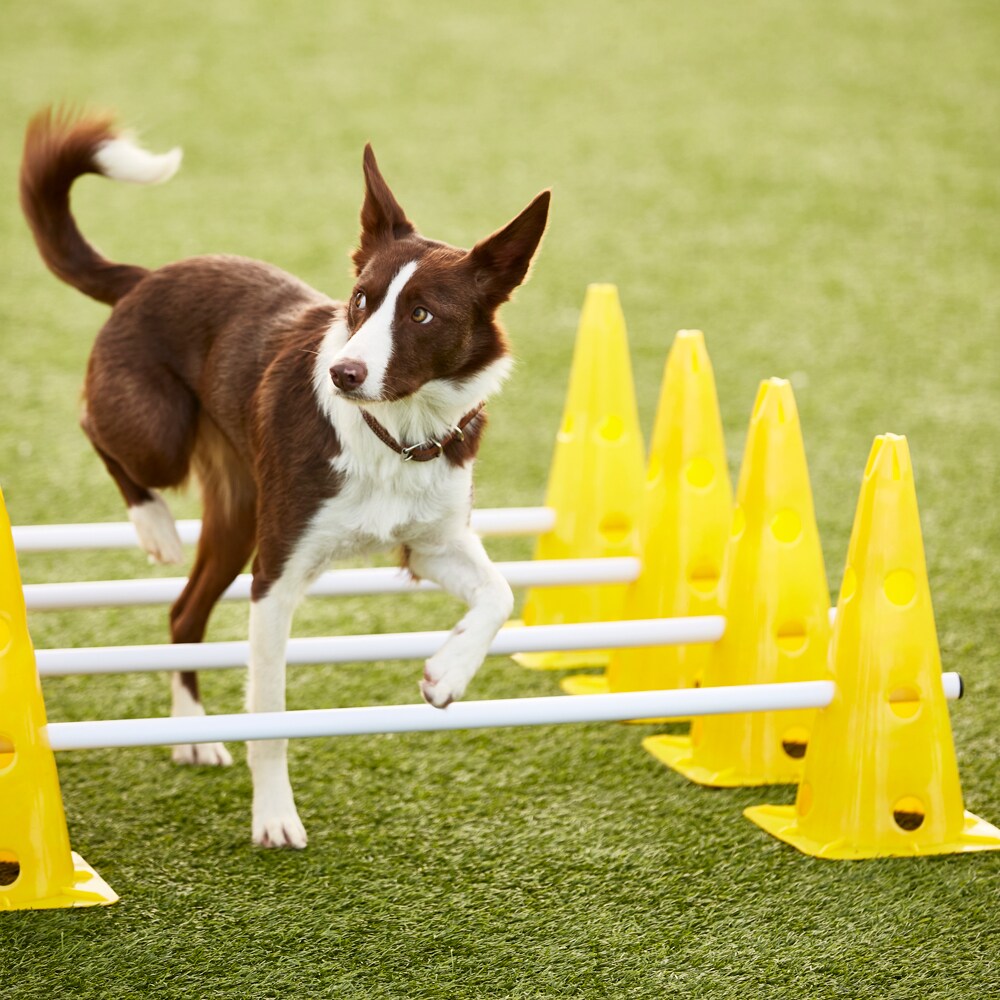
(595, 485)
(881, 778)
(776, 602)
(688, 510)
(37, 868)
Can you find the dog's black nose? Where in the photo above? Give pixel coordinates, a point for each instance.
(348, 375)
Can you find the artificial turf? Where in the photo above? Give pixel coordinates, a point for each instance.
(814, 185)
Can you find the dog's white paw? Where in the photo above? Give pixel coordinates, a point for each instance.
(280, 831)
(444, 681)
(157, 531)
(202, 754)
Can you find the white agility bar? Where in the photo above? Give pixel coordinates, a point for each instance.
(460, 715)
(337, 583)
(121, 534)
(391, 646)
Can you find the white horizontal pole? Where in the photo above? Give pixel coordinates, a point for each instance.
(422, 718)
(121, 534)
(392, 646)
(513, 520)
(337, 583)
(100, 535)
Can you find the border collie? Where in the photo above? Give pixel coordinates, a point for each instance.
(317, 429)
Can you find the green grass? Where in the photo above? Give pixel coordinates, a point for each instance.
(814, 185)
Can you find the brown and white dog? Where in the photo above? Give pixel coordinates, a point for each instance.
(317, 429)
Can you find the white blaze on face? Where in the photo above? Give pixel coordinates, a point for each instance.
(372, 343)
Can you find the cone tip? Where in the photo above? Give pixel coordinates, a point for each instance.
(775, 401)
(602, 290)
(602, 311)
(889, 457)
(688, 354)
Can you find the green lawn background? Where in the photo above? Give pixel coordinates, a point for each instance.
(815, 186)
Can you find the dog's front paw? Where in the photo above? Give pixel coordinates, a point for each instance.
(280, 831)
(202, 754)
(442, 682)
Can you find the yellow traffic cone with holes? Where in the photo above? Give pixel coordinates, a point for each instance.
(595, 485)
(881, 778)
(776, 603)
(37, 868)
(688, 510)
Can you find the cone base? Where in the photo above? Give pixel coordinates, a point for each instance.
(598, 684)
(782, 822)
(677, 752)
(563, 661)
(88, 889)
(558, 661)
(585, 684)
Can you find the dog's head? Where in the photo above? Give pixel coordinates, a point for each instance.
(423, 313)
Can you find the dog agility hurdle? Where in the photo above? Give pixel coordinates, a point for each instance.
(881, 686)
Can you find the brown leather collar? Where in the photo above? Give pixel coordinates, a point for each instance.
(429, 449)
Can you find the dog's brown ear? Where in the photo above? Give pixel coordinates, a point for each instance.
(382, 218)
(501, 261)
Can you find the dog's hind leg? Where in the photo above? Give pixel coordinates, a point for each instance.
(149, 450)
(150, 516)
(226, 543)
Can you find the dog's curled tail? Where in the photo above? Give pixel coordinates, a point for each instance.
(58, 148)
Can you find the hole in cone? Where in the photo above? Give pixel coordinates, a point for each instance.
(6, 752)
(9, 868)
(612, 428)
(700, 473)
(900, 587)
(703, 578)
(909, 814)
(904, 702)
(615, 527)
(795, 742)
(792, 636)
(786, 526)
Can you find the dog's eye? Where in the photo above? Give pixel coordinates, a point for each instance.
(421, 315)
(359, 301)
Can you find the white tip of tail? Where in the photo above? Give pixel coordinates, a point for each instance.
(122, 159)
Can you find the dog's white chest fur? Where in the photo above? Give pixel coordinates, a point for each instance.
(383, 502)
(404, 505)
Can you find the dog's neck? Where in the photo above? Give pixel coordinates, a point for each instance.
(426, 415)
